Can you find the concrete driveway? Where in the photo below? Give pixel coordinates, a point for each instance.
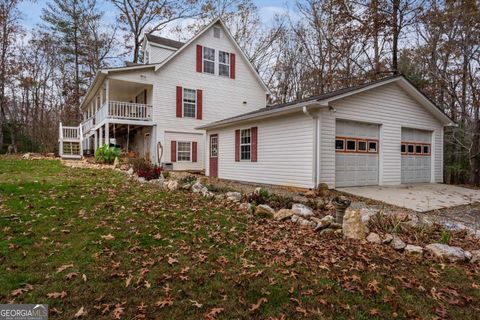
(418, 197)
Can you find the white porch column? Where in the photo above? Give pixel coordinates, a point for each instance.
(107, 138)
(107, 96)
(100, 136)
(95, 141)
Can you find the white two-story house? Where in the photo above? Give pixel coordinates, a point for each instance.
(151, 110)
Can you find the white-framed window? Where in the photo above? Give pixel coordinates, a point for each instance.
(372, 146)
(245, 144)
(208, 60)
(189, 103)
(184, 151)
(362, 146)
(426, 149)
(411, 149)
(214, 146)
(223, 63)
(418, 149)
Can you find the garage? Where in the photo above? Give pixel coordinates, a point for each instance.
(356, 153)
(416, 155)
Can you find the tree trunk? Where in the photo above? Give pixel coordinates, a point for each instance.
(395, 35)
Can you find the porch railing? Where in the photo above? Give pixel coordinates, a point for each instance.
(124, 110)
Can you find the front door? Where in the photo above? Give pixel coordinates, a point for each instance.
(214, 155)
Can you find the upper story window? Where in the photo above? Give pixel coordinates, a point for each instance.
(189, 103)
(245, 144)
(208, 60)
(224, 63)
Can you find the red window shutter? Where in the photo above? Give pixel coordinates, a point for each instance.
(199, 104)
(179, 101)
(173, 151)
(194, 151)
(237, 145)
(254, 133)
(199, 58)
(232, 65)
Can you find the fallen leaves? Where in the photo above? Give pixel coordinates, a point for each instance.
(57, 295)
(213, 313)
(257, 305)
(80, 313)
(108, 237)
(164, 302)
(26, 287)
(64, 267)
(196, 304)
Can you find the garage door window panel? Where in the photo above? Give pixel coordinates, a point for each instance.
(418, 149)
(351, 145)
(426, 150)
(411, 149)
(340, 144)
(362, 146)
(372, 146)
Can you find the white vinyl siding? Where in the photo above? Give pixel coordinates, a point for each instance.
(285, 151)
(158, 54)
(189, 138)
(390, 107)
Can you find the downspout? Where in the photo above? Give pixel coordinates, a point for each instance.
(314, 116)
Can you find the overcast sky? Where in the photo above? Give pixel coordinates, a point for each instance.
(32, 11)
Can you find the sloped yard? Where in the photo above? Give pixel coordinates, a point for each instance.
(93, 244)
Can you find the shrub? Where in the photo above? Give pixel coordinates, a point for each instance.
(145, 169)
(106, 154)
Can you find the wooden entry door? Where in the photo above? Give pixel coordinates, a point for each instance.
(214, 155)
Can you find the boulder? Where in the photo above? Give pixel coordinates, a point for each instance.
(234, 196)
(257, 191)
(207, 194)
(186, 186)
(448, 253)
(310, 194)
(130, 171)
(247, 207)
(327, 231)
(172, 185)
(294, 218)
(335, 225)
(387, 239)
(26, 155)
(397, 243)
(302, 210)
(322, 190)
(264, 210)
(197, 187)
(374, 238)
(141, 179)
(475, 256)
(353, 226)
(283, 214)
(414, 250)
(323, 223)
(367, 214)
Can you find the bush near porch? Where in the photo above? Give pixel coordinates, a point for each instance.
(94, 244)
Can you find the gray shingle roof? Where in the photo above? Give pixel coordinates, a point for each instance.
(165, 41)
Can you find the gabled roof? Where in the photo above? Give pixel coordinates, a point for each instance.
(164, 41)
(229, 35)
(324, 100)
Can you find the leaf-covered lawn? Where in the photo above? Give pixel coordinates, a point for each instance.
(94, 245)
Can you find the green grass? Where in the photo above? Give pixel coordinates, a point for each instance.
(181, 246)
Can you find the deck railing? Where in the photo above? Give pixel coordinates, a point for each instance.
(124, 110)
(87, 125)
(70, 133)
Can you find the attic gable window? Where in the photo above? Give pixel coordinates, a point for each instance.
(208, 60)
(224, 63)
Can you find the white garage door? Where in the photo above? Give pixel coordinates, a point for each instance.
(416, 155)
(356, 154)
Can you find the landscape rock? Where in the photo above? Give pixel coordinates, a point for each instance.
(116, 162)
(310, 194)
(374, 238)
(305, 222)
(141, 179)
(264, 210)
(186, 186)
(367, 214)
(234, 196)
(353, 226)
(283, 214)
(397, 243)
(26, 155)
(247, 207)
(322, 190)
(257, 191)
(327, 231)
(387, 239)
(197, 187)
(302, 210)
(207, 194)
(323, 223)
(414, 250)
(448, 253)
(475, 256)
(130, 171)
(173, 185)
